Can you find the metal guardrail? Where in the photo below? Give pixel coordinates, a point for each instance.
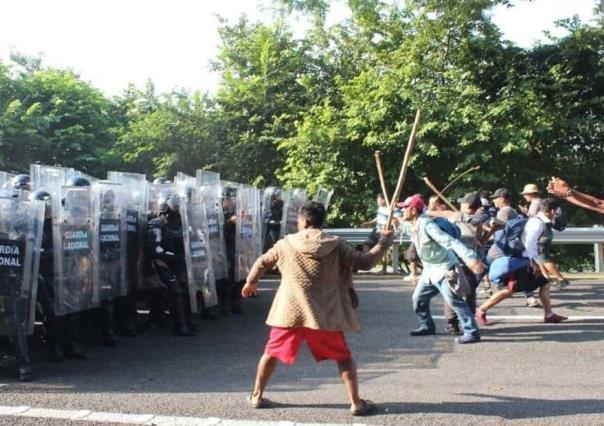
(585, 235)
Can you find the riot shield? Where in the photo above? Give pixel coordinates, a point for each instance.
(109, 242)
(74, 284)
(21, 224)
(198, 260)
(49, 178)
(293, 199)
(135, 198)
(5, 184)
(207, 178)
(248, 241)
(212, 202)
(271, 214)
(323, 196)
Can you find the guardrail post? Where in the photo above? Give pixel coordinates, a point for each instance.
(599, 257)
(394, 257)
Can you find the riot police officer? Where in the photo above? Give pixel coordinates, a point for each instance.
(166, 249)
(229, 205)
(57, 329)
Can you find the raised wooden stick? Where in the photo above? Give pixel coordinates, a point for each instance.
(378, 163)
(440, 195)
(470, 170)
(404, 167)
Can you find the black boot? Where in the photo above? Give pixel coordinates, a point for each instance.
(21, 348)
(53, 339)
(177, 313)
(71, 337)
(107, 334)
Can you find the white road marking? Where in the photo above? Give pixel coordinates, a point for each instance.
(533, 317)
(137, 419)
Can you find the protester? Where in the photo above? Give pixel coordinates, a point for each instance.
(437, 251)
(315, 301)
(469, 219)
(561, 189)
(526, 273)
(532, 195)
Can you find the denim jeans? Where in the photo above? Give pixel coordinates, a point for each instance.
(424, 291)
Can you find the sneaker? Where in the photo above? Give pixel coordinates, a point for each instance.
(481, 317)
(422, 332)
(468, 338)
(554, 318)
(366, 407)
(562, 284)
(533, 302)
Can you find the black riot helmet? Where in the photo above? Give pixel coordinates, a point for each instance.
(161, 180)
(40, 195)
(78, 181)
(168, 201)
(21, 182)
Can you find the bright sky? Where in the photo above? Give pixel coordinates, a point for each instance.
(113, 42)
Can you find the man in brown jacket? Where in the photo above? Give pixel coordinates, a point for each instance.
(314, 301)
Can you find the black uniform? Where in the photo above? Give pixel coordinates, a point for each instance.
(166, 248)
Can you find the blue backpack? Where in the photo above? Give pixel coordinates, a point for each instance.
(509, 239)
(449, 227)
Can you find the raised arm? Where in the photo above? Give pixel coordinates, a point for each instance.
(355, 259)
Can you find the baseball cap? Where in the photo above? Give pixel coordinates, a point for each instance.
(472, 199)
(413, 201)
(502, 193)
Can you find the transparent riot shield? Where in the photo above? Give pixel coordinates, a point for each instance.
(198, 259)
(271, 215)
(211, 199)
(21, 225)
(135, 198)
(207, 178)
(49, 178)
(323, 196)
(74, 284)
(5, 184)
(109, 241)
(248, 239)
(293, 199)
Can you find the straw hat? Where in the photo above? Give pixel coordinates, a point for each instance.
(530, 188)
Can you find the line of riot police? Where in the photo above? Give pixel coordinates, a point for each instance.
(83, 256)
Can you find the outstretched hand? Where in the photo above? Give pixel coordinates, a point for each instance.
(249, 290)
(558, 187)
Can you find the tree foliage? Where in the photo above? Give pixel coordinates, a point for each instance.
(310, 110)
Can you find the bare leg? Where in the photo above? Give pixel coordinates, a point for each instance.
(348, 373)
(552, 269)
(495, 299)
(266, 368)
(545, 300)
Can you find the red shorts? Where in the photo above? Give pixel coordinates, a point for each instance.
(283, 344)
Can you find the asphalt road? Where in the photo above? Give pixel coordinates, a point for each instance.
(523, 371)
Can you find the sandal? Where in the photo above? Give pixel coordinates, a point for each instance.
(365, 408)
(256, 403)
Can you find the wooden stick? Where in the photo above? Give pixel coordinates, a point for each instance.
(404, 167)
(470, 170)
(378, 163)
(440, 195)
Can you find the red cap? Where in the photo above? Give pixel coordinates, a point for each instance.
(413, 201)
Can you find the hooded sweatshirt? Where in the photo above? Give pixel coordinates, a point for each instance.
(316, 270)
